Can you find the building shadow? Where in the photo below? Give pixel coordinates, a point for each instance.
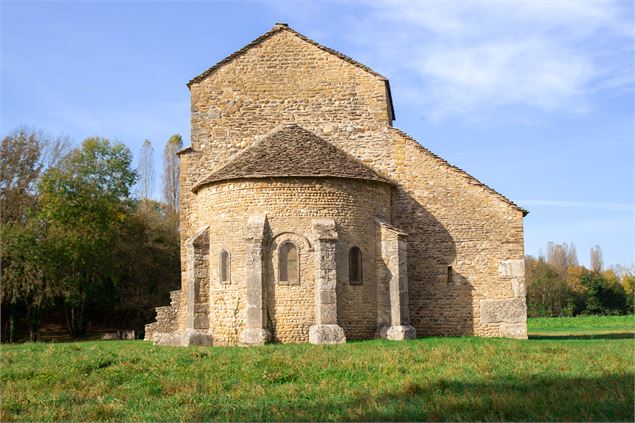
(622, 335)
(441, 298)
(537, 398)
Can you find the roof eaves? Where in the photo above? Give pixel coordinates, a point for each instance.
(211, 179)
(186, 150)
(196, 188)
(470, 177)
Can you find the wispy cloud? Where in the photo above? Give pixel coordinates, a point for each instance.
(579, 205)
(472, 59)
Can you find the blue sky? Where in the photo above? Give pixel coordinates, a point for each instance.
(533, 98)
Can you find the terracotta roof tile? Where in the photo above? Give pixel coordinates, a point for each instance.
(291, 152)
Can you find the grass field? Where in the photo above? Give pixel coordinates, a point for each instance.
(582, 325)
(455, 379)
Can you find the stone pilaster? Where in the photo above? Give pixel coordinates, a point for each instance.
(255, 332)
(326, 330)
(393, 316)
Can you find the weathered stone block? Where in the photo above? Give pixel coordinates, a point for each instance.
(503, 311)
(512, 268)
(398, 332)
(514, 330)
(252, 337)
(326, 334)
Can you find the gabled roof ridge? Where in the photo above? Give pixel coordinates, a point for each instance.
(278, 28)
(472, 179)
(246, 165)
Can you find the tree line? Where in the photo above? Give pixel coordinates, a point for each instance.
(557, 285)
(79, 242)
(84, 243)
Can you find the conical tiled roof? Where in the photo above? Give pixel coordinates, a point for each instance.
(291, 152)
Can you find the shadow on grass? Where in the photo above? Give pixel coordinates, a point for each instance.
(607, 398)
(619, 335)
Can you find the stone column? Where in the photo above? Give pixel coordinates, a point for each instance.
(255, 332)
(326, 330)
(393, 317)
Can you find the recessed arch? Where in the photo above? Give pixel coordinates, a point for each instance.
(288, 263)
(355, 270)
(224, 267)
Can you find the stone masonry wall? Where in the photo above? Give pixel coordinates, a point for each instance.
(290, 206)
(450, 219)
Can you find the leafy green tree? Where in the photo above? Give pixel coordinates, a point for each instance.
(83, 203)
(547, 293)
(26, 283)
(603, 295)
(148, 261)
(26, 287)
(629, 287)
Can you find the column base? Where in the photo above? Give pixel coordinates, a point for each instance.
(183, 339)
(398, 332)
(253, 337)
(326, 334)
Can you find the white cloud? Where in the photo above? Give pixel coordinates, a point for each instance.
(473, 59)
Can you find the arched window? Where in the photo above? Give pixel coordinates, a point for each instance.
(355, 266)
(288, 263)
(225, 267)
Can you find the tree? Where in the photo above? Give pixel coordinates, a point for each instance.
(146, 170)
(603, 296)
(83, 204)
(171, 171)
(26, 285)
(628, 283)
(547, 294)
(148, 261)
(562, 257)
(26, 281)
(20, 166)
(24, 154)
(596, 259)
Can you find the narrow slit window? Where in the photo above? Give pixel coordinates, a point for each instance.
(450, 278)
(355, 266)
(288, 263)
(224, 267)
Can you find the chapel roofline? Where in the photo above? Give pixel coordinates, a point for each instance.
(291, 151)
(471, 178)
(278, 27)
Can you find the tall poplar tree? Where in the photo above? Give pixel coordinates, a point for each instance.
(171, 171)
(146, 170)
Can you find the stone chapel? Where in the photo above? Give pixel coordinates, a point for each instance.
(307, 216)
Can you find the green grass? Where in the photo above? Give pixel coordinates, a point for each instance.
(581, 325)
(456, 379)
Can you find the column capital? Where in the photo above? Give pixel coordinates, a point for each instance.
(324, 229)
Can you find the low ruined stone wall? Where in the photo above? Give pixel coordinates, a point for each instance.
(167, 318)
